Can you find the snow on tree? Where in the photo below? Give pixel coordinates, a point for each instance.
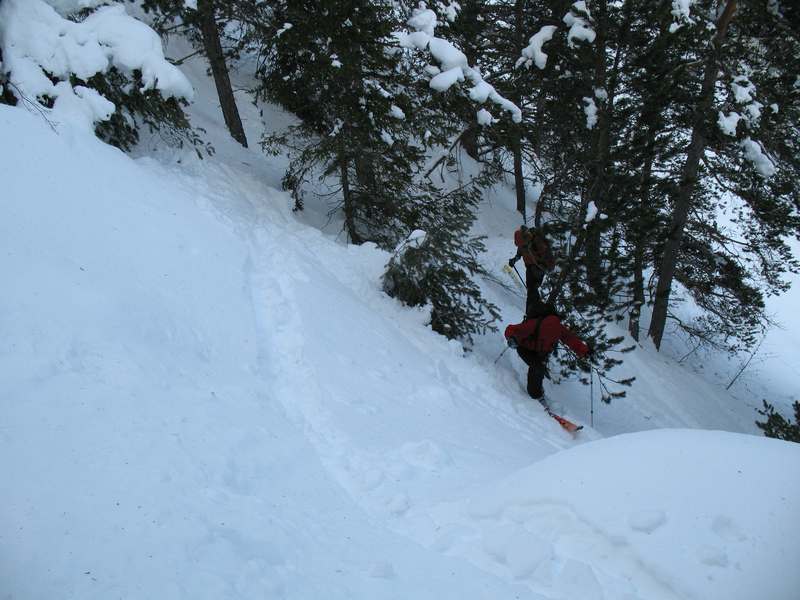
(365, 128)
(87, 65)
(204, 23)
(533, 53)
(579, 22)
(453, 65)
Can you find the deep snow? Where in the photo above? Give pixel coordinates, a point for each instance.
(205, 396)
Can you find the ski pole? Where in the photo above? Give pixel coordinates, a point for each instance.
(591, 398)
(520, 277)
(501, 354)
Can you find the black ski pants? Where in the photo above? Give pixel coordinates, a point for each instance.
(537, 371)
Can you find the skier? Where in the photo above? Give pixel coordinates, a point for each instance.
(535, 338)
(534, 249)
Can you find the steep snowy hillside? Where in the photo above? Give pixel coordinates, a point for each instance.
(205, 397)
(165, 428)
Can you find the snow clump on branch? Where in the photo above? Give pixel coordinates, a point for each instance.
(728, 124)
(38, 45)
(681, 10)
(579, 26)
(453, 64)
(590, 108)
(762, 163)
(532, 54)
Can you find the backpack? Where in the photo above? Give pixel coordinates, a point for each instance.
(537, 335)
(534, 248)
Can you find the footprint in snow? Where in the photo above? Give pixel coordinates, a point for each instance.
(713, 557)
(647, 521)
(453, 534)
(520, 550)
(382, 570)
(578, 580)
(425, 455)
(725, 528)
(399, 504)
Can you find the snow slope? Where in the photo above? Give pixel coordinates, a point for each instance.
(205, 397)
(151, 429)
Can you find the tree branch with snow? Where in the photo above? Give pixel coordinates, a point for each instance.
(453, 66)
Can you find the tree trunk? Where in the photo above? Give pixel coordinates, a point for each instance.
(575, 251)
(349, 212)
(469, 141)
(639, 247)
(638, 290)
(653, 124)
(598, 183)
(213, 49)
(516, 133)
(683, 200)
(641, 232)
(539, 211)
(519, 180)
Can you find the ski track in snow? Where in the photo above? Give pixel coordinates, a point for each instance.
(395, 441)
(546, 546)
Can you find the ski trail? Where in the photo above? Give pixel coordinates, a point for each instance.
(410, 452)
(549, 548)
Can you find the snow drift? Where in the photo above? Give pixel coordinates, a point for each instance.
(661, 514)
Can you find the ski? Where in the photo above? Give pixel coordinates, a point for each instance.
(565, 423)
(507, 268)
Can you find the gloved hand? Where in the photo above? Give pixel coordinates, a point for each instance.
(512, 342)
(512, 261)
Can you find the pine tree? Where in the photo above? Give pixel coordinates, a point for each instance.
(201, 25)
(120, 96)
(725, 168)
(777, 426)
(138, 109)
(360, 122)
(367, 123)
(492, 37)
(437, 264)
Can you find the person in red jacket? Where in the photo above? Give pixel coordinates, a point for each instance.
(534, 250)
(535, 338)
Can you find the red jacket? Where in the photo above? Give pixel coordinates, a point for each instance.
(550, 331)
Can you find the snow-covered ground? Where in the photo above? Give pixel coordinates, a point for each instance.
(206, 395)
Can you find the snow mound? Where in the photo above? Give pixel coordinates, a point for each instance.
(659, 514)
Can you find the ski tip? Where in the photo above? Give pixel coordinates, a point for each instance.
(566, 424)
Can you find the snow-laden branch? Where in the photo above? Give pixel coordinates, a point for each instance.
(40, 45)
(762, 163)
(532, 53)
(579, 25)
(590, 109)
(453, 66)
(728, 123)
(682, 11)
(744, 92)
